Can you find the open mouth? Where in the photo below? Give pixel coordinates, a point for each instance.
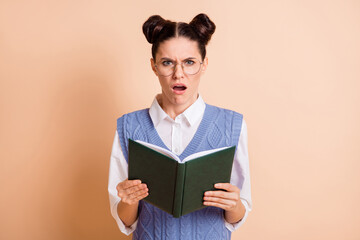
(179, 88)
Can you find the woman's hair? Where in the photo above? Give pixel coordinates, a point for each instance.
(200, 29)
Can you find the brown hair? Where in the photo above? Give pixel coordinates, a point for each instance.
(200, 29)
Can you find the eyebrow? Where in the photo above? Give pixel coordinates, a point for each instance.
(165, 58)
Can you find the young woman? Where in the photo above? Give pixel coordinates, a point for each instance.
(181, 121)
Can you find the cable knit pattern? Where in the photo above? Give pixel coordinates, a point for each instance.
(218, 128)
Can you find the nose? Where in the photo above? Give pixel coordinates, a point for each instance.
(178, 71)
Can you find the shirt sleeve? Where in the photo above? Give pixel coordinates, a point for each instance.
(240, 176)
(118, 172)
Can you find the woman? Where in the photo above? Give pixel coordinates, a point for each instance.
(179, 120)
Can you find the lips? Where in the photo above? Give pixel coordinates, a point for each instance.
(179, 88)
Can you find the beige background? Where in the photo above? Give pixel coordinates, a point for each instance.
(69, 69)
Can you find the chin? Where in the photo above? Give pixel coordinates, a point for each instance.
(181, 100)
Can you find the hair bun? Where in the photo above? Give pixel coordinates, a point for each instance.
(203, 26)
(152, 27)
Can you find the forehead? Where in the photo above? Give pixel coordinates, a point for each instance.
(178, 48)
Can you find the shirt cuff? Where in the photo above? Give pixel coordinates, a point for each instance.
(124, 229)
(233, 226)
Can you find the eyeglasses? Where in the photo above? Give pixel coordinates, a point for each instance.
(167, 67)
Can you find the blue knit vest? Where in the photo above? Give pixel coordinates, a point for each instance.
(218, 128)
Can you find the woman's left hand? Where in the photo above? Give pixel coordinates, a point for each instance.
(227, 200)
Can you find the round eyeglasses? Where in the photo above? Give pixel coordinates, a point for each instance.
(167, 67)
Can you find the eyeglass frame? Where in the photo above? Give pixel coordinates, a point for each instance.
(182, 67)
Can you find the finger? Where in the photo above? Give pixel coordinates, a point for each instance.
(223, 201)
(142, 196)
(227, 186)
(137, 195)
(224, 195)
(127, 192)
(123, 186)
(129, 183)
(135, 188)
(138, 192)
(134, 200)
(216, 204)
(126, 184)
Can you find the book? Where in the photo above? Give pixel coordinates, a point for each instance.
(177, 187)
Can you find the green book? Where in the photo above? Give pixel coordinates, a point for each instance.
(178, 187)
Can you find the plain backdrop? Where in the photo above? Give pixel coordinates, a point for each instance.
(69, 69)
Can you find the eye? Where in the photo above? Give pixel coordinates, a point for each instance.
(189, 62)
(167, 63)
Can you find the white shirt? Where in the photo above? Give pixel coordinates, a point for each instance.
(177, 134)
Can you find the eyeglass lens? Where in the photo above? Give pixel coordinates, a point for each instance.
(189, 66)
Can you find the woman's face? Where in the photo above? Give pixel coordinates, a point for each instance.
(178, 89)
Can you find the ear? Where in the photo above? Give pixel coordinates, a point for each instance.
(204, 65)
(153, 66)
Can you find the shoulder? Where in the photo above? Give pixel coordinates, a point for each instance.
(131, 125)
(133, 114)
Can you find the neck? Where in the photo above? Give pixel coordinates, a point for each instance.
(173, 110)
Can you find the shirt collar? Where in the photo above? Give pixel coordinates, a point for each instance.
(157, 114)
(191, 114)
(195, 111)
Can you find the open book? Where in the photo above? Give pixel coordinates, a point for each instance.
(175, 186)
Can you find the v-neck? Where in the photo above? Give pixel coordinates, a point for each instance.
(194, 142)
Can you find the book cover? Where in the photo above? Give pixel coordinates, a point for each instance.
(176, 186)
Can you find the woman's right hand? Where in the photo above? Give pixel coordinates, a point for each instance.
(132, 191)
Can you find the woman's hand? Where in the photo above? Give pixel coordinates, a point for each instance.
(132, 191)
(229, 200)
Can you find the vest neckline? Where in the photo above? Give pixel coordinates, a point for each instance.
(194, 142)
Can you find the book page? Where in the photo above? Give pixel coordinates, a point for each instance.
(174, 156)
(160, 150)
(203, 153)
